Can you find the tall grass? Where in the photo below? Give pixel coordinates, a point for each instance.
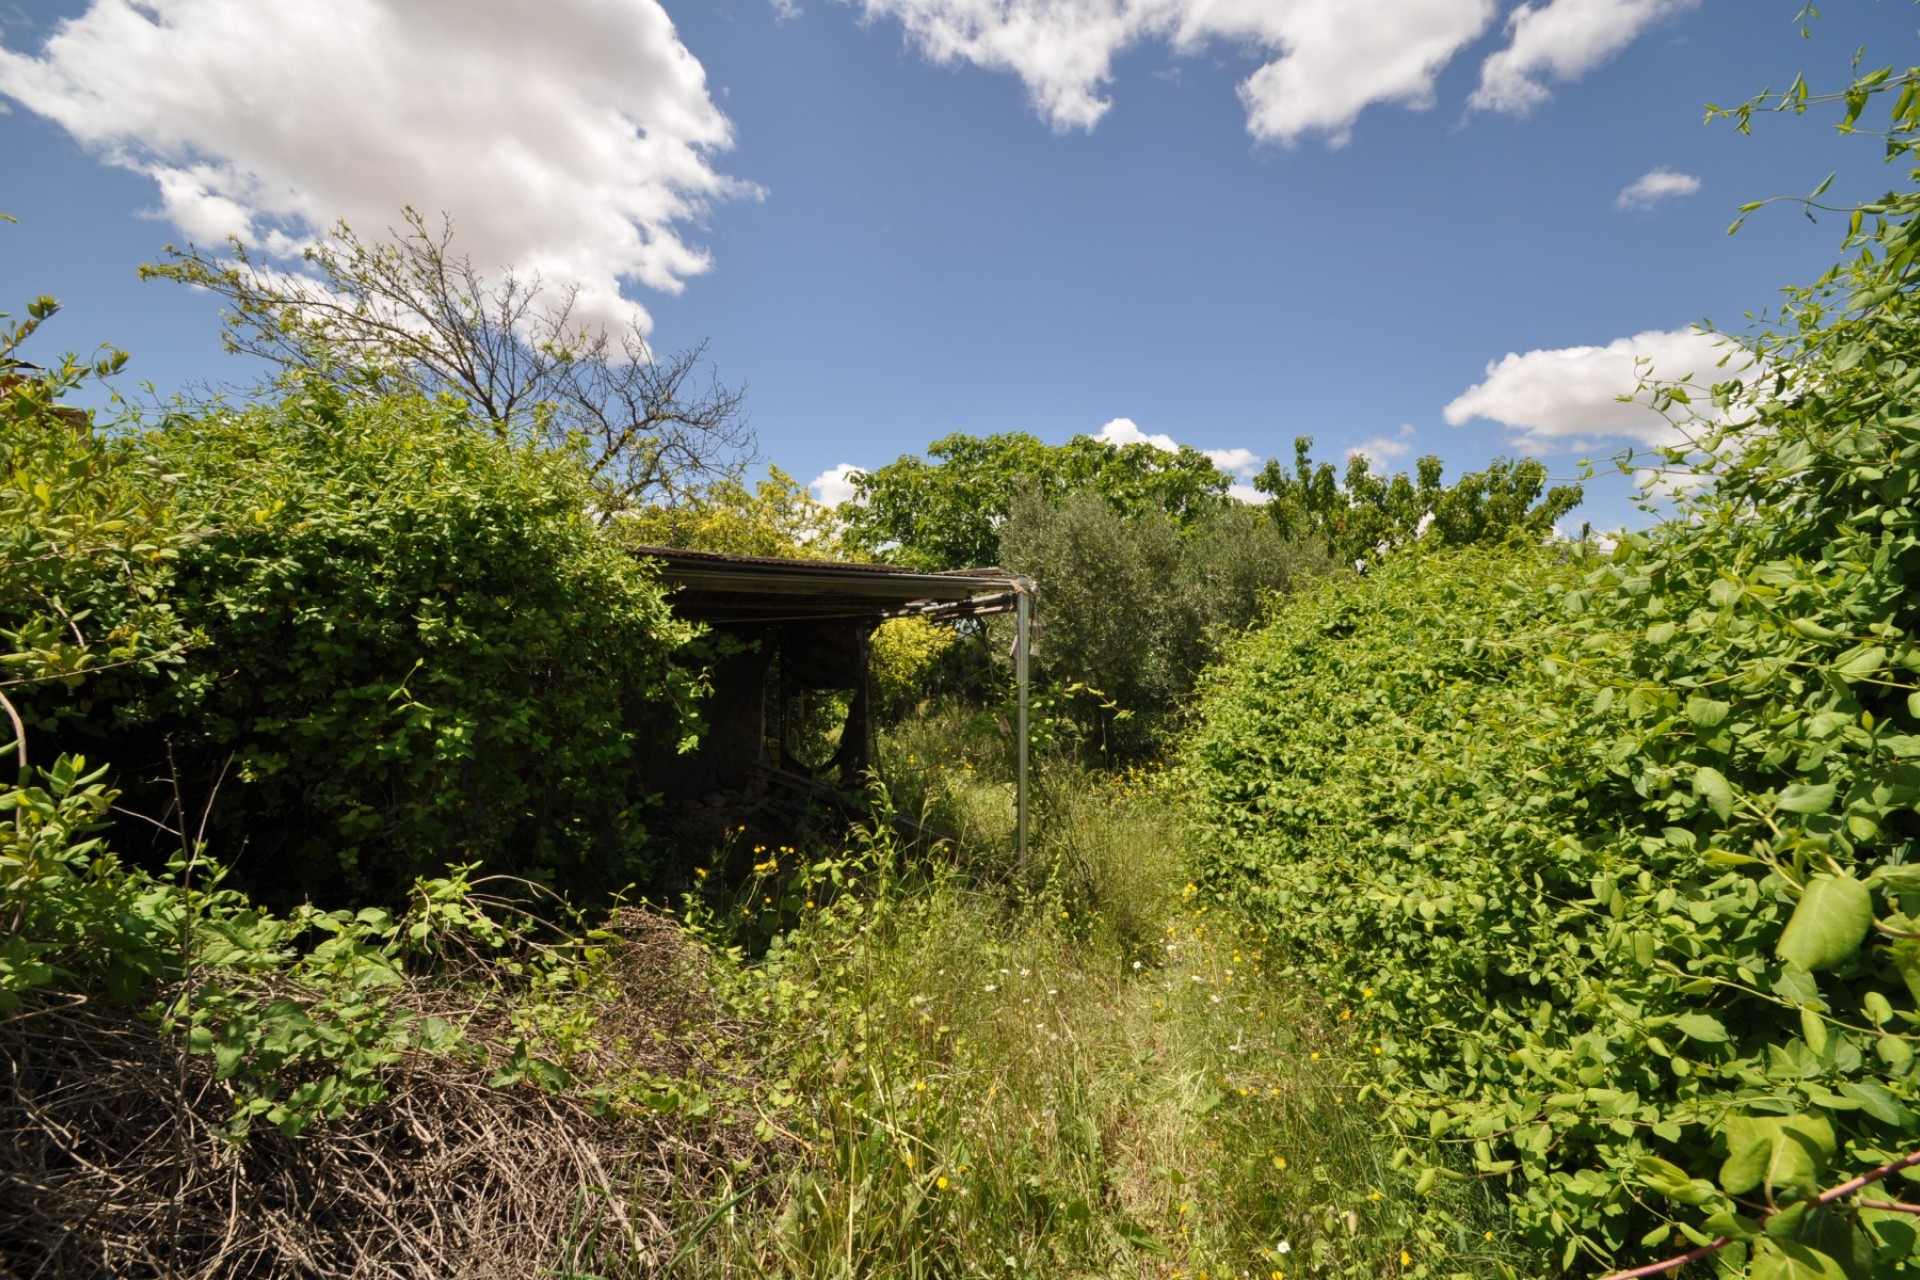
(1088, 1076)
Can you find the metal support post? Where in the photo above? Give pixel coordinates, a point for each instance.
(1023, 623)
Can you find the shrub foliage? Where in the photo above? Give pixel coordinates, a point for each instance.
(1132, 607)
(417, 649)
(1615, 857)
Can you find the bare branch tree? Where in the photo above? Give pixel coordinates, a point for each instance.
(409, 312)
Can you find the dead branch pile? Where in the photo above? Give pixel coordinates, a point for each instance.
(114, 1161)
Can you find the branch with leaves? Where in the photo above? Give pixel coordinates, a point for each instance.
(409, 312)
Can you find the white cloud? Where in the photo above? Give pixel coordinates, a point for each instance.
(1654, 186)
(1325, 60)
(1121, 431)
(1564, 400)
(1384, 450)
(1235, 461)
(1243, 492)
(1564, 38)
(835, 485)
(574, 140)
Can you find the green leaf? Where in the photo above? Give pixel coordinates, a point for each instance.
(1877, 1101)
(1705, 713)
(1903, 877)
(1702, 1027)
(1732, 1226)
(1813, 1029)
(1806, 797)
(1671, 1181)
(1712, 786)
(1786, 1224)
(1828, 924)
(1778, 1152)
(1788, 1260)
(1861, 662)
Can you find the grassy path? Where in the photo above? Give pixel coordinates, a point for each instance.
(1102, 1080)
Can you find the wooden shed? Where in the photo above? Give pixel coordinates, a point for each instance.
(788, 628)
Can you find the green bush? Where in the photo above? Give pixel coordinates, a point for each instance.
(418, 649)
(87, 543)
(904, 653)
(1617, 857)
(1132, 607)
(1595, 846)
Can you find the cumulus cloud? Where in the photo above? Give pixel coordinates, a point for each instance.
(1382, 451)
(1654, 186)
(1119, 431)
(1562, 400)
(1242, 491)
(1235, 461)
(1564, 39)
(835, 485)
(575, 140)
(1323, 62)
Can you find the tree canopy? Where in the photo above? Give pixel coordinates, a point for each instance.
(1356, 519)
(776, 517)
(409, 313)
(945, 511)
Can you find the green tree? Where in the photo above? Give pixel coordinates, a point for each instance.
(777, 517)
(1132, 609)
(945, 511)
(409, 313)
(1354, 519)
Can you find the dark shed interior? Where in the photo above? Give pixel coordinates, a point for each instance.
(790, 628)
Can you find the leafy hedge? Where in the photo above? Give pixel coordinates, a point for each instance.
(418, 648)
(1615, 857)
(368, 639)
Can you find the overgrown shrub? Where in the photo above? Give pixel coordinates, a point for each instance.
(1132, 607)
(1614, 856)
(87, 543)
(418, 649)
(905, 651)
(1617, 857)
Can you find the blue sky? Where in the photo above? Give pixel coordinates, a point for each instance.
(1398, 225)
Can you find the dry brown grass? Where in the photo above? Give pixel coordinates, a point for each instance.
(114, 1159)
